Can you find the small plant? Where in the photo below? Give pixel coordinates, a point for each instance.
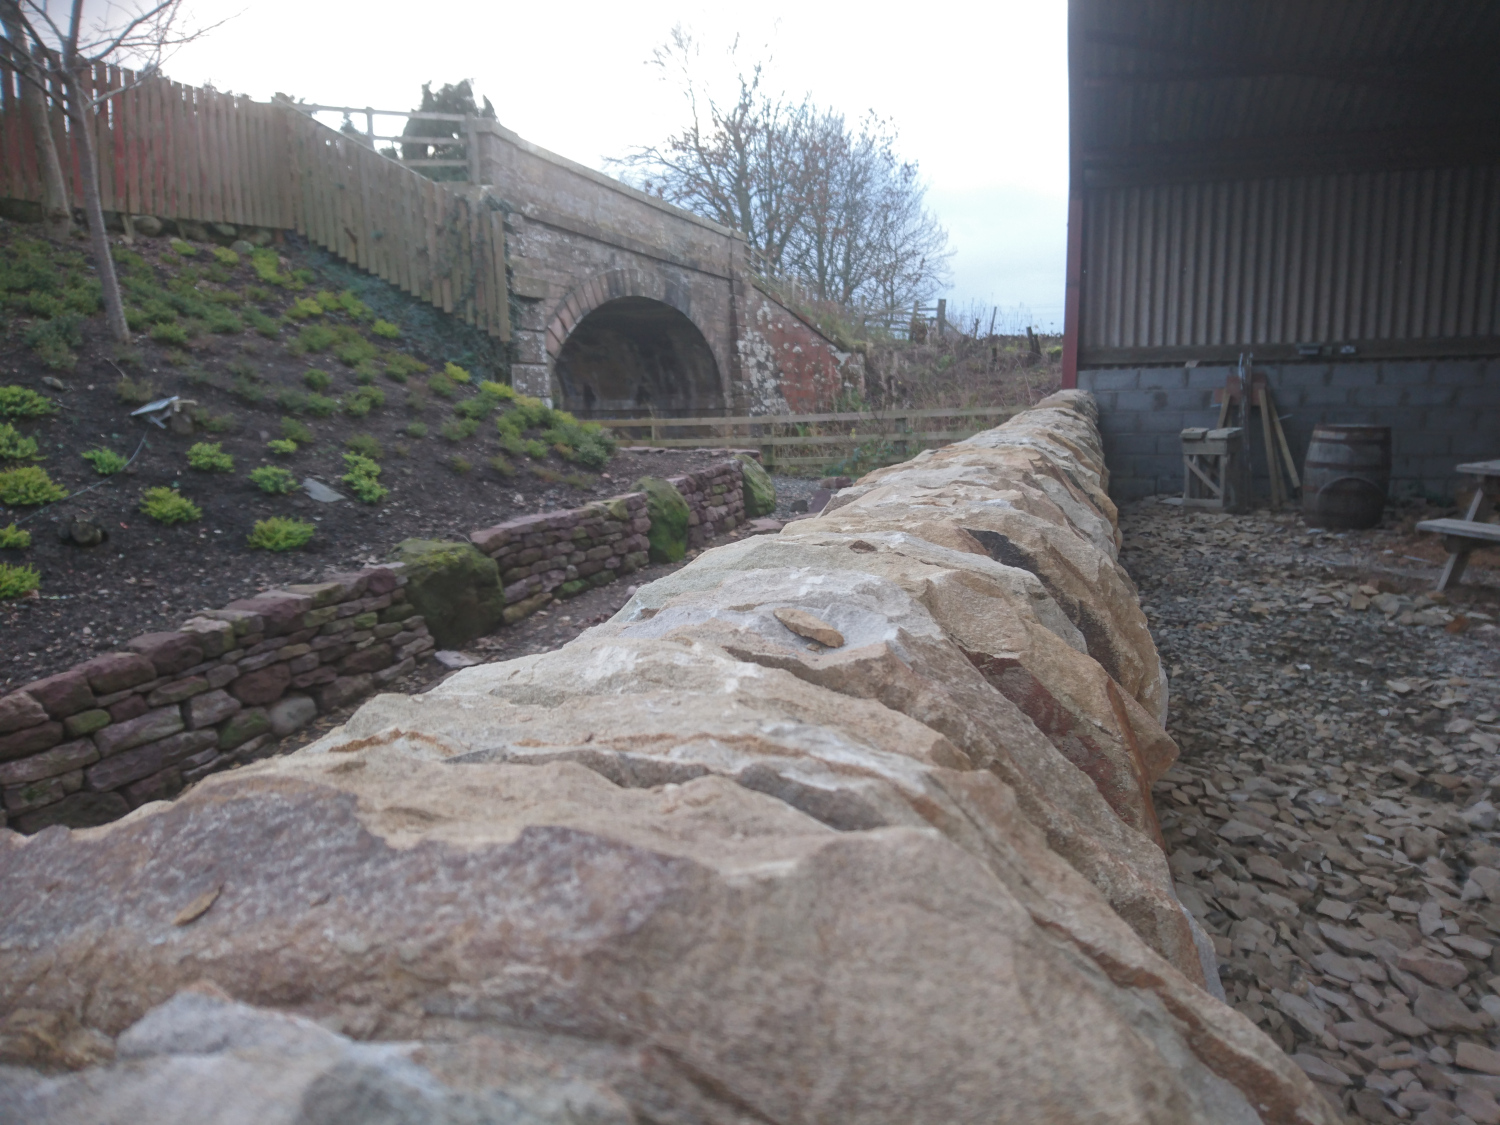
(29, 485)
(22, 402)
(54, 339)
(186, 249)
(314, 338)
(224, 322)
(460, 465)
(402, 449)
(282, 447)
(502, 466)
(167, 505)
(478, 407)
(386, 329)
(353, 352)
(362, 401)
(354, 306)
(401, 367)
(225, 256)
(12, 538)
(363, 478)
(303, 308)
(459, 429)
(280, 534)
(416, 402)
(416, 429)
(215, 423)
(273, 479)
(300, 432)
(327, 301)
(266, 326)
(17, 580)
(169, 334)
(317, 380)
(134, 392)
(14, 447)
(209, 457)
(442, 386)
(365, 372)
(242, 369)
(512, 442)
(497, 390)
(129, 357)
(303, 277)
(456, 373)
(225, 297)
(176, 357)
(366, 446)
(256, 293)
(267, 266)
(106, 462)
(536, 450)
(247, 388)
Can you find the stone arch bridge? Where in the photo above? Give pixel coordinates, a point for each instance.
(626, 305)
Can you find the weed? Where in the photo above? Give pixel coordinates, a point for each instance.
(280, 534)
(479, 407)
(176, 357)
(512, 442)
(402, 449)
(273, 479)
(551, 476)
(386, 329)
(303, 308)
(256, 293)
(460, 465)
(302, 277)
(226, 297)
(12, 538)
(416, 402)
(17, 580)
(169, 334)
(194, 327)
(354, 306)
(29, 485)
(317, 380)
(186, 249)
(241, 369)
(365, 372)
(216, 423)
(362, 401)
(400, 367)
(314, 338)
(459, 429)
(247, 389)
(327, 301)
(363, 478)
(216, 273)
(263, 324)
(502, 466)
(53, 340)
(106, 462)
(292, 400)
(282, 447)
(85, 298)
(224, 322)
(442, 386)
(209, 456)
(129, 357)
(167, 505)
(587, 443)
(416, 429)
(356, 351)
(195, 375)
(225, 256)
(14, 447)
(366, 446)
(300, 432)
(456, 373)
(134, 392)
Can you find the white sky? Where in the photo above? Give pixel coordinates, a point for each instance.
(979, 94)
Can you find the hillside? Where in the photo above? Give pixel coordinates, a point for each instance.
(283, 359)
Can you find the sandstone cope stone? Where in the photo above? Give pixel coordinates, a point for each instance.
(116, 671)
(149, 727)
(18, 711)
(262, 685)
(62, 695)
(168, 652)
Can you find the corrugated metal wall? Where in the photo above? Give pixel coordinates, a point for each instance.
(1377, 256)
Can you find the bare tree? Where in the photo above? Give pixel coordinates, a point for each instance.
(49, 45)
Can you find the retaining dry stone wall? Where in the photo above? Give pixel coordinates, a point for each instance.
(716, 500)
(851, 823)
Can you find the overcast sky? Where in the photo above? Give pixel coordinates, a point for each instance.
(979, 94)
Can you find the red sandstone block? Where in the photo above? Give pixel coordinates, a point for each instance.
(169, 653)
(142, 761)
(125, 710)
(64, 694)
(280, 610)
(158, 787)
(214, 707)
(261, 686)
(119, 737)
(323, 675)
(32, 740)
(50, 763)
(19, 711)
(371, 659)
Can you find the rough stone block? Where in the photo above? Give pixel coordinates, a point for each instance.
(160, 786)
(142, 761)
(262, 685)
(32, 740)
(371, 659)
(280, 611)
(223, 674)
(324, 675)
(381, 579)
(117, 671)
(241, 728)
(304, 663)
(129, 708)
(317, 618)
(243, 621)
(19, 711)
(33, 794)
(80, 810)
(215, 637)
(177, 691)
(62, 695)
(344, 690)
(153, 725)
(62, 759)
(291, 713)
(169, 653)
(323, 593)
(394, 672)
(210, 709)
(260, 660)
(86, 722)
(292, 652)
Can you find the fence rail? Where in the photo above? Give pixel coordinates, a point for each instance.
(183, 153)
(865, 440)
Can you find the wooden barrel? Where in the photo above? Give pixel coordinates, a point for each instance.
(1347, 475)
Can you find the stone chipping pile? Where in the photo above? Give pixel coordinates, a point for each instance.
(1331, 821)
(848, 823)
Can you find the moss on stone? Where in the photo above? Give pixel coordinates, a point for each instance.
(669, 519)
(760, 490)
(454, 587)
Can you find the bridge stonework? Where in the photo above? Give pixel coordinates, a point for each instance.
(625, 304)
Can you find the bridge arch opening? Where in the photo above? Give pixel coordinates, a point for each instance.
(632, 356)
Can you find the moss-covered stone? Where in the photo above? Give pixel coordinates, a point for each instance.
(669, 519)
(760, 490)
(453, 586)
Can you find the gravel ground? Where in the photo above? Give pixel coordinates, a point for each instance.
(1330, 820)
(788, 491)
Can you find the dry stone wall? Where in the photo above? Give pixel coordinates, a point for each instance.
(715, 498)
(849, 823)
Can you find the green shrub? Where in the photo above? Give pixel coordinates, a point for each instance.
(29, 485)
(502, 466)
(536, 450)
(497, 390)
(280, 534)
(459, 429)
(245, 387)
(354, 306)
(416, 402)
(85, 298)
(225, 256)
(363, 478)
(210, 457)
(17, 580)
(327, 301)
(186, 249)
(300, 432)
(134, 392)
(416, 429)
(355, 351)
(460, 465)
(317, 380)
(14, 447)
(12, 538)
(282, 447)
(386, 329)
(54, 340)
(303, 277)
(267, 266)
(321, 406)
(289, 398)
(263, 324)
(225, 297)
(366, 446)
(456, 373)
(169, 334)
(362, 401)
(166, 505)
(215, 423)
(512, 442)
(224, 322)
(479, 407)
(314, 338)
(273, 479)
(365, 372)
(106, 462)
(401, 366)
(442, 386)
(256, 293)
(587, 443)
(303, 308)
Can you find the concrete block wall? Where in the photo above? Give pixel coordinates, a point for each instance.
(1441, 412)
(89, 744)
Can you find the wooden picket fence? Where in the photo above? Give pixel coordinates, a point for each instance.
(184, 153)
(859, 440)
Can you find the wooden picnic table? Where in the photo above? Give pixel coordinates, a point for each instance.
(1461, 537)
